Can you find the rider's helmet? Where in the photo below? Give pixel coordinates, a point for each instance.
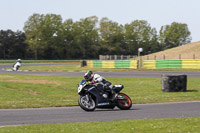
(88, 75)
(19, 60)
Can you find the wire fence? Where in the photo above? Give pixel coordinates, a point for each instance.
(116, 57)
(172, 57)
(152, 57)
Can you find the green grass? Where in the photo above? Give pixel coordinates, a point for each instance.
(68, 68)
(39, 61)
(78, 68)
(52, 68)
(176, 125)
(31, 91)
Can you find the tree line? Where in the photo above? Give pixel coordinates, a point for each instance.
(47, 36)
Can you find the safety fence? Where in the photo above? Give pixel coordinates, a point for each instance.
(112, 64)
(147, 64)
(116, 57)
(158, 64)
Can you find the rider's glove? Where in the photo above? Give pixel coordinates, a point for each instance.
(92, 82)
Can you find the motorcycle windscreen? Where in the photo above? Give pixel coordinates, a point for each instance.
(118, 88)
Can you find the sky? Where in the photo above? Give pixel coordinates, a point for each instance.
(14, 13)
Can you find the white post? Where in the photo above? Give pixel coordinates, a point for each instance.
(140, 59)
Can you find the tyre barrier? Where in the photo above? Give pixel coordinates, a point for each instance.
(174, 83)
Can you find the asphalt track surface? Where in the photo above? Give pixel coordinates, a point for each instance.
(76, 114)
(152, 74)
(9, 117)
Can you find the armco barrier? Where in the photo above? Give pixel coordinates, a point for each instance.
(122, 64)
(112, 64)
(149, 64)
(157, 64)
(133, 64)
(168, 64)
(97, 64)
(89, 63)
(108, 64)
(194, 64)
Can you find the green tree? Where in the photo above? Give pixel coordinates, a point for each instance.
(66, 39)
(41, 32)
(12, 44)
(85, 38)
(50, 38)
(51, 41)
(33, 33)
(7, 39)
(19, 46)
(174, 35)
(111, 37)
(140, 34)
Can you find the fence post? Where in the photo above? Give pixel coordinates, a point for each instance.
(101, 57)
(163, 57)
(154, 57)
(115, 57)
(194, 56)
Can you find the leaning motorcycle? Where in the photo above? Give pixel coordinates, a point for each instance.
(93, 96)
(16, 66)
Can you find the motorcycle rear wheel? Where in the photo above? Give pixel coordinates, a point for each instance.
(125, 102)
(86, 105)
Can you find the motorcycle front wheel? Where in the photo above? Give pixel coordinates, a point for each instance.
(123, 101)
(87, 105)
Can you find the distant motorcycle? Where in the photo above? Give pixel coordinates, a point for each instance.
(92, 97)
(17, 65)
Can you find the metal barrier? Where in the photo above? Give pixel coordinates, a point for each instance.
(147, 64)
(116, 57)
(112, 64)
(157, 64)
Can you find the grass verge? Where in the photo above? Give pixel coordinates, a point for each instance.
(40, 61)
(69, 68)
(78, 68)
(176, 125)
(32, 91)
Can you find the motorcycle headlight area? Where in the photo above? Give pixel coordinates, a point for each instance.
(80, 87)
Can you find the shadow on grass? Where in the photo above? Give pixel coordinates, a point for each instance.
(192, 91)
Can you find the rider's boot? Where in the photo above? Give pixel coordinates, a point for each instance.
(112, 95)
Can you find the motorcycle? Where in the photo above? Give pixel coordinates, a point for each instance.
(93, 96)
(16, 66)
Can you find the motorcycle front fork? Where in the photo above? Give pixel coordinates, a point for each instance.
(87, 97)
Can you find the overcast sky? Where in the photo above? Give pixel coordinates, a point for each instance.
(13, 13)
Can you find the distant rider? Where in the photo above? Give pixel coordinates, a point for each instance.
(17, 65)
(96, 78)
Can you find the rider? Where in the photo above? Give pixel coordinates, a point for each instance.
(96, 78)
(16, 65)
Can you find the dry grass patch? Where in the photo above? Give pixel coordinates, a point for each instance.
(30, 92)
(37, 82)
(187, 51)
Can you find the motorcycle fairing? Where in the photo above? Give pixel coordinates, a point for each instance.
(100, 101)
